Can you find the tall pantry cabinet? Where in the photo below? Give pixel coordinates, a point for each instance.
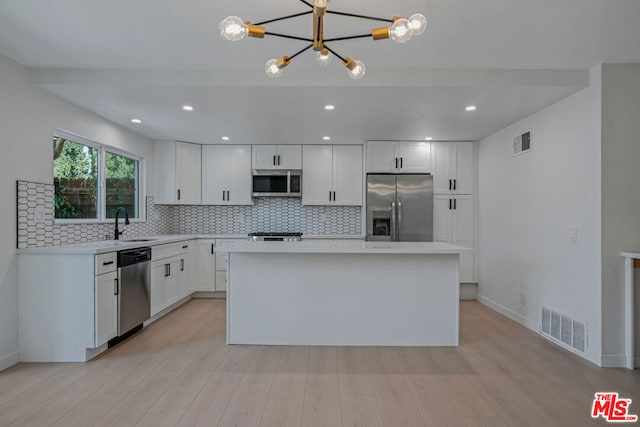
(453, 169)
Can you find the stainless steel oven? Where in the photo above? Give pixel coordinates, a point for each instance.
(277, 183)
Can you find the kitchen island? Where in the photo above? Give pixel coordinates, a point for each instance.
(343, 293)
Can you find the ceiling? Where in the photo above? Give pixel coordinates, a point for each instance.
(146, 58)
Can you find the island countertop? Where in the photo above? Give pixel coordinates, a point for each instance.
(346, 247)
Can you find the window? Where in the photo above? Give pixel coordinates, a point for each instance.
(75, 177)
(92, 180)
(121, 184)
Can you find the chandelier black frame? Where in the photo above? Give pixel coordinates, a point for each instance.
(400, 30)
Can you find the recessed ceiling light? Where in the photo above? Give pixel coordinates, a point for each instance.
(326, 138)
(429, 138)
(137, 121)
(470, 108)
(329, 107)
(187, 108)
(225, 138)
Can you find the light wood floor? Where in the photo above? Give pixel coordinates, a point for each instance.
(179, 372)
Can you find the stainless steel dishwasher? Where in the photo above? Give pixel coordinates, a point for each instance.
(134, 282)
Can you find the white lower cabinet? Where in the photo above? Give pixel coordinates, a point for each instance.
(205, 277)
(106, 307)
(453, 223)
(166, 270)
(187, 270)
(222, 260)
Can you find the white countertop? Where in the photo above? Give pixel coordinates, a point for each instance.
(104, 246)
(635, 255)
(345, 247)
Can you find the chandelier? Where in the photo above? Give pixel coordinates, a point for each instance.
(400, 30)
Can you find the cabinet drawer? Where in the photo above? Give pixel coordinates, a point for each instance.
(165, 251)
(106, 263)
(221, 281)
(222, 259)
(185, 246)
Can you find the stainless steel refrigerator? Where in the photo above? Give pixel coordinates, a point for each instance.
(400, 208)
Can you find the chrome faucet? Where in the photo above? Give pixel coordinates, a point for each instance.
(126, 222)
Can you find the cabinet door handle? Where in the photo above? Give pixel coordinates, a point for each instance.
(182, 265)
(329, 195)
(274, 160)
(396, 163)
(167, 270)
(450, 204)
(450, 185)
(278, 159)
(107, 263)
(455, 183)
(115, 286)
(228, 195)
(178, 194)
(401, 162)
(212, 246)
(185, 246)
(334, 196)
(455, 203)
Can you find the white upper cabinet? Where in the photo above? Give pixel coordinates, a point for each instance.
(398, 157)
(277, 157)
(226, 174)
(332, 175)
(317, 175)
(177, 173)
(452, 165)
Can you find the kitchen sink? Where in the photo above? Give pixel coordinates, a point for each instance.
(138, 240)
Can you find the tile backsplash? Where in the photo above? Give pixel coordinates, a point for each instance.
(268, 214)
(37, 228)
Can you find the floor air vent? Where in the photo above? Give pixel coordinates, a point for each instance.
(563, 330)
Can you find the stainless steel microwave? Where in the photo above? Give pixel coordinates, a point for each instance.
(277, 183)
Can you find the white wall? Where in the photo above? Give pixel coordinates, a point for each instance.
(620, 195)
(28, 117)
(527, 205)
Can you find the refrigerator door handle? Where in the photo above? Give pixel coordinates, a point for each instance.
(399, 222)
(394, 225)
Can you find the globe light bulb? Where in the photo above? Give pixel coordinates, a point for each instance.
(324, 57)
(320, 3)
(358, 70)
(417, 23)
(272, 70)
(233, 28)
(400, 31)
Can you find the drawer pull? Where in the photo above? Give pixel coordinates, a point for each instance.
(107, 263)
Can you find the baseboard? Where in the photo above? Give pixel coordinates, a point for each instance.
(218, 294)
(516, 317)
(614, 361)
(8, 361)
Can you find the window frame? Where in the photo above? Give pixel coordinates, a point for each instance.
(102, 200)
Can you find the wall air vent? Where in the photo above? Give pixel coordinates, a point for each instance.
(522, 143)
(563, 330)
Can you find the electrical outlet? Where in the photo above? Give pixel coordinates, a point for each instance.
(38, 214)
(573, 234)
(523, 298)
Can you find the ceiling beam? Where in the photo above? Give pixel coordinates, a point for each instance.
(398, 77)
